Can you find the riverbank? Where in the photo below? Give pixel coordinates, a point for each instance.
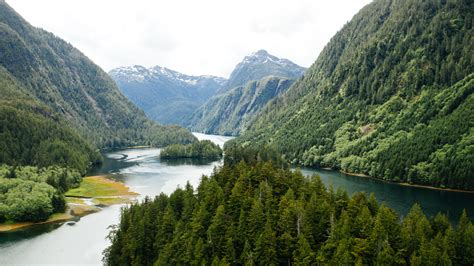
(55, 218)
(93, 193)
(406, 183)
(139, 147)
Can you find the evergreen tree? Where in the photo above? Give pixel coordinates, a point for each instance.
(283, 219)
(303, 255)
(265, 248)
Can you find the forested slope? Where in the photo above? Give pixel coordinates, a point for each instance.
(59, 76)
(390, 96)
(229, 113)
(32, 134)
(57, 109)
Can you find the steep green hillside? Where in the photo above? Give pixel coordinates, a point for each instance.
(56, 109)
(391, 96)
(62, 78)
(32, 134)
(229, 113)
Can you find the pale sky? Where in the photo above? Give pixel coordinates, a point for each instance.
(198, 37)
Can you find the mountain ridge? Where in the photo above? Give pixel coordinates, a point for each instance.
(165, 95)
(231, 112)
(171, 97)
(258, 65)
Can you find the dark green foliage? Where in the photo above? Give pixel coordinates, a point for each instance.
(229, 113)
(22, 201)
(32, 134)
(252, 154)
(390, 96)
(32, 194)
(204, 149)
(257, 214)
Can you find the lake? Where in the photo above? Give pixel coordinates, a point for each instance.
(82, 241)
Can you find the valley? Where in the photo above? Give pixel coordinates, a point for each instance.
(146, 174)
(366, 157)
(199, 102)
(139, 169)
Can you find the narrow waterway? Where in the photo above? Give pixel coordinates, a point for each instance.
(401, 198)
(82, 242)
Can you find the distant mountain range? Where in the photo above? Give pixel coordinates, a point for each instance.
(165, 95)
(170, 97)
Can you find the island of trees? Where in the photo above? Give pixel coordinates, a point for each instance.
(253, 212)
(204, 149)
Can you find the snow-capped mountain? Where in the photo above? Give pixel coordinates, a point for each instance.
(261, 64)
(165, 95)
(141, 74)
(171, 97)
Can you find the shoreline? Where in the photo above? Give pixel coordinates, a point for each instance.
(406, 184)
(138, 147)
(83, 201)
(10, 227)
(434, 188)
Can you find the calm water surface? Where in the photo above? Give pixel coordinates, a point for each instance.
(82, 242)
(401, 198)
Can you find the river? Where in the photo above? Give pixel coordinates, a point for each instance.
(82, 242)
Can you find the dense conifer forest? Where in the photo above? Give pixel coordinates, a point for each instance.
(204, 149)
(256, 212)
